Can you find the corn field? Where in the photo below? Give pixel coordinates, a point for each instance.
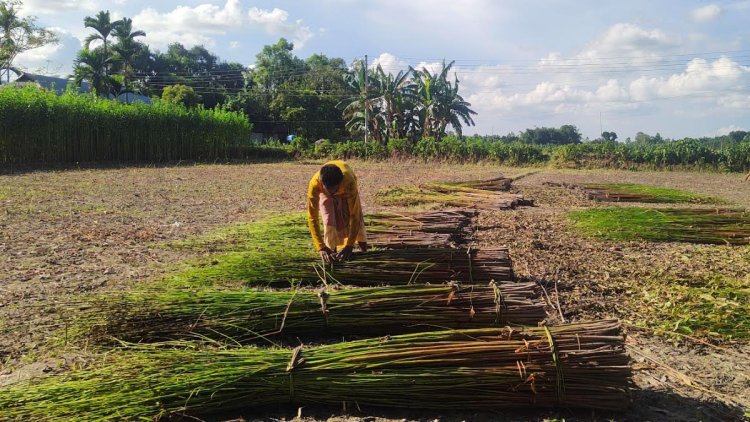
(38, 126)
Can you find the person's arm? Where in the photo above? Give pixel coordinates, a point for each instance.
(313, 213)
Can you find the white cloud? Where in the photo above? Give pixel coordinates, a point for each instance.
(54, 59)
(432, 67)
(35, 7)
(727, 129)
(234, 44)
(735, 101)
(393, 64)
(706, 13)
(485, 78)
(389, 63)
(721, 76)
(200, 24)
(275, 22)
(619, 42)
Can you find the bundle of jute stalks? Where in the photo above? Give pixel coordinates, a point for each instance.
(251, 316)
(374, 268)
(440, 194)
(497, 184)
(430, 229)
(405, 266)
(579, 365)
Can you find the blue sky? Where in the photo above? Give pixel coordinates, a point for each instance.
(680, 68)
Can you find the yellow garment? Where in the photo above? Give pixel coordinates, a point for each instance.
(346, 195)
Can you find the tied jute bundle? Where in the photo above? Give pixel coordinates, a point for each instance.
(431, 229)
(580, 365)
(453, 196)
(407, 266)
(252, 316)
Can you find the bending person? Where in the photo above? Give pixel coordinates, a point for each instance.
(333, 193)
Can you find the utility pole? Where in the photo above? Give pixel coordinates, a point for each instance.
(601, 128)
(367, 119)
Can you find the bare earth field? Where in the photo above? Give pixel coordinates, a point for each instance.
(63, 232)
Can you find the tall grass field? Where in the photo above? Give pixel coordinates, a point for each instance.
(39, 126)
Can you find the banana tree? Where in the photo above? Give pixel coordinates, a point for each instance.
(398, 98)
(440, 103)
(361, 109)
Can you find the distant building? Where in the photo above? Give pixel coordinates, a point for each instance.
(60, 85)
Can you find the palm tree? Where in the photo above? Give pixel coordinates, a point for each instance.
(123, 30)
(91, 65)
(126, 48)
(103, 27)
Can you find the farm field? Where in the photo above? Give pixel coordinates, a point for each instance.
(684, 305)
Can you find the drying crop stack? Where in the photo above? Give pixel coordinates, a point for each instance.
(250, 316)
(433, 229)
(405, 266)
(576, 365)
(490, 195)
(485, 363)
(497, 184)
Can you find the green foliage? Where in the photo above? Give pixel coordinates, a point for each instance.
(673, 154)
(274, 249)
(647, 193)
(19, 34)
(665, 225)
(39, 126)
(566, 134)
(609, 136)
(196, 67)
(180, 94)
(450, 148)
(285, 94)
(414, 104)
(717, 308)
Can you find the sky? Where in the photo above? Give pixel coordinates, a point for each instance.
(680, 68)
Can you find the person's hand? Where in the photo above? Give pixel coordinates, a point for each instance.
(345, 253)
(363, 246)
(327, 255)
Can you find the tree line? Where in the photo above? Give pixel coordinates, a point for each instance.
(317, 97)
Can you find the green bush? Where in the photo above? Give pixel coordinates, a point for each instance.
(180, 94)
(37, 126)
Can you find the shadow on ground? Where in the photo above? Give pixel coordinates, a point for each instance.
(648, 405)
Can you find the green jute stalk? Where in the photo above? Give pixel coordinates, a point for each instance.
(252, 316)
(476, 369)
(374, 268)
(717, 226)
(289, 233)
(631, 192)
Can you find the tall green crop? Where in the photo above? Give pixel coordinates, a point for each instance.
(39, 126)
